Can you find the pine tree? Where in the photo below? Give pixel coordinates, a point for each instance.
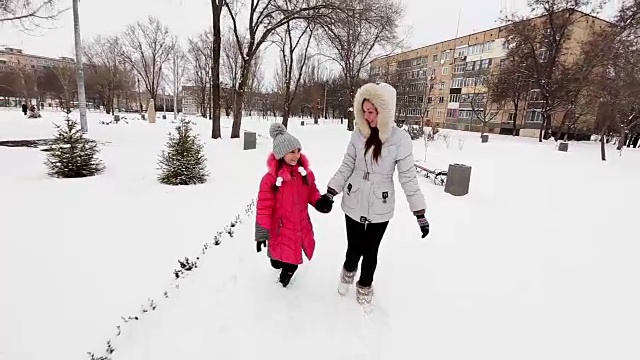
(71, 155)
(183, 162)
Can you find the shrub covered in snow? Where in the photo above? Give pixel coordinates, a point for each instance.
(71, 155)
(183, 162)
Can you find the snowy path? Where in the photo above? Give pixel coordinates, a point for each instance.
(232, 308)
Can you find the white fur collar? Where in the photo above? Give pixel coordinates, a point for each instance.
(383, 96)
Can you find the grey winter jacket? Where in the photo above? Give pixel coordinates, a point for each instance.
(372, 198)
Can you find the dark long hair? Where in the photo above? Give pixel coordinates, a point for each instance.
(373, 139)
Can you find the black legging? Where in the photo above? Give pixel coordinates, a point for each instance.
(277, 264)
(363, 242)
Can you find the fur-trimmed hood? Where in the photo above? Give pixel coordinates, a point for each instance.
(383, 96)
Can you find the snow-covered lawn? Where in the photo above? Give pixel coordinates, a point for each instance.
(538, 261)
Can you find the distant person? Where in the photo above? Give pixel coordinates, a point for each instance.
(282, 216)
(25, 108)
(377, 147)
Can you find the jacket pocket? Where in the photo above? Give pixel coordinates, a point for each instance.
(383, 201)
(350, 194)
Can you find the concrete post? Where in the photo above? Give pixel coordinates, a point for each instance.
(563, 146)
(249, 140)
(458, 179)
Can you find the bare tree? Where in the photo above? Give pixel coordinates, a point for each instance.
(216, 44)
(293, 42)
(484, 106)
(200, 57)
(508, 84)
(542, 48)
(67, 79)
(29, 14)
(231, 60)
(103, 58)
(178, 67)
(264, 18)
(360, 32)
(147, 49)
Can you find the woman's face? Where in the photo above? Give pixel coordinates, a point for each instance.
(370, 113)
(292, 157)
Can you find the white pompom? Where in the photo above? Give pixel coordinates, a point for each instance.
(302, 171)
(279, 181)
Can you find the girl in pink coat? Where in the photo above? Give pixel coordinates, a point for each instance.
(282, 216)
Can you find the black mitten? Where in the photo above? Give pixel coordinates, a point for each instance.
(325, 203)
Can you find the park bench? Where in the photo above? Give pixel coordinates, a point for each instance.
(439, 176)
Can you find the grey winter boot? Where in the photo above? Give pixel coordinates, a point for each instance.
(346, 280)
(364, 295)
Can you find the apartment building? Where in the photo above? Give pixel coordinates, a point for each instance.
(435, 83)
(16, 58)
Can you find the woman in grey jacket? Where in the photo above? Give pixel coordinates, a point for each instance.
(365, 177)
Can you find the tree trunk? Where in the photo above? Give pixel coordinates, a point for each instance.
(82, 100)
(623, 137)
(603, 154)
(542, 126)
(563, 122)
(516, 103)
(238, 100)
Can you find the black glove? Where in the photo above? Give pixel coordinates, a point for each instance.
(325, 203)
(260, 245)
(424, 225)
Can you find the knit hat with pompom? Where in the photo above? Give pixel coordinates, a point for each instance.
(283, 142)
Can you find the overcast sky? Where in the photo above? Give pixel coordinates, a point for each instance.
(431, 21)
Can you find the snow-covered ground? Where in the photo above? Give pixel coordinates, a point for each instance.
(538, 261)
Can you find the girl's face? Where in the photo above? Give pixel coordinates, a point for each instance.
(370, 113)
(292, 157)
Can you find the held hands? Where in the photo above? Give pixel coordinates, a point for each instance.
(325, 203)
(424, 225)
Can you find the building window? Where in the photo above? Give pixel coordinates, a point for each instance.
(420, 99)
(488, 46)
(439, 113)
(485, 63)
(469, 66)
(452, 114)
(445, 70)
(454, 98)
(440, 99)
(445, 55)
(533, 116)
(465, 114)
(435, 57)
(534, 95)
(469, 82)
(457, 82)
(458, 68)
(476, 49)
(442, 85)
(461, 52)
